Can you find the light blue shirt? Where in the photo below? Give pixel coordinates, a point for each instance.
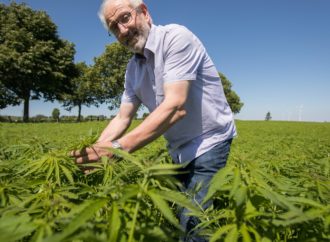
(173, 53)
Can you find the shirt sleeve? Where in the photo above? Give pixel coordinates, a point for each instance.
(129, 95)
(182, 55)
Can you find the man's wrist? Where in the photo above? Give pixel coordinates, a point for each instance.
(116, 145)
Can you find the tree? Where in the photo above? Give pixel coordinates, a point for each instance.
(56, 114)
(268, 116)
(83, 90)
(108, 74)
(232, 98)
(34, 62)
(7, 97)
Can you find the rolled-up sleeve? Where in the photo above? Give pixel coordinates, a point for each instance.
(182, 57)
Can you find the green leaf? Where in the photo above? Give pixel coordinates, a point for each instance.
(219, 179)
(232, 235)
(69, 195)
(128, 157)
(155, 233)
(91, 207)
(164, 208)
(327, 221)
(114, 223)
(237, 182)
(265, 239)
(128, 192)
(67, 174)
(257, 237)
(165, 173)
(31, 168)
(50, 171)
(276, 198)
(57, 173)
(159, 167)
(178, 198)
(245, 234)
(14, 227)
(305, 201)
(221, 231)
(240, 195)
(293, 217)
(165, 166)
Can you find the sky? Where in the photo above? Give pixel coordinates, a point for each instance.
(276, 53)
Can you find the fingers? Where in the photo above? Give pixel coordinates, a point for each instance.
(90, 167)
(84, 155)
(88, 171)
(87, 159)
(91, 154)
(78, 153)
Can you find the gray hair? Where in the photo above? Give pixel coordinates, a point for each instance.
(133, 3)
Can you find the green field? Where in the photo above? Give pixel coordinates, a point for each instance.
(276, 187)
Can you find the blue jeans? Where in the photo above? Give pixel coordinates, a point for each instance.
(199, 173)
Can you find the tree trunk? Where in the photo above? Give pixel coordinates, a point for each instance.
(26, 108)
(79, 113)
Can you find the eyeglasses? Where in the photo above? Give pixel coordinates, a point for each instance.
(124, 20)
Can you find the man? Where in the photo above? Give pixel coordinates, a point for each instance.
(173, 76)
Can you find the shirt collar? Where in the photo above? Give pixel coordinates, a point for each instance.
(151, 41)
(139, 56)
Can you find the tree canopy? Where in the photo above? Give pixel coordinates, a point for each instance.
(56, 114)
(108, 74)
(7, 97)
(82, 92)
(232, 98)
(34, 61)
(101, 82)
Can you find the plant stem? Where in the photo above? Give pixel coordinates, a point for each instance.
(137, 207)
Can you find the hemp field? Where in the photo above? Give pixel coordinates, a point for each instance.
(275, 187)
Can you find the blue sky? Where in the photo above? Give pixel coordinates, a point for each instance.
(276, 53)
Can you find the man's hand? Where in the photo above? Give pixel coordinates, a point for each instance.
(92, 154)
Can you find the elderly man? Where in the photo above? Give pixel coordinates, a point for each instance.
(173, 76)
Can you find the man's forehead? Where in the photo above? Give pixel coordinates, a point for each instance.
(114, 8)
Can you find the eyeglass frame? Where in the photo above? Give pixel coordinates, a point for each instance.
(111, 33)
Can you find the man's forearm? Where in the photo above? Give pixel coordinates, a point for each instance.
(115, 129)
(160, 120)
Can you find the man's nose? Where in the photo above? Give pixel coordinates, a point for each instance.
(122, 29)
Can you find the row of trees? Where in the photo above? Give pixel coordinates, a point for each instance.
(40, 118)
(36, 63)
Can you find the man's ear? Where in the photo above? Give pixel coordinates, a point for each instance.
(144, 10)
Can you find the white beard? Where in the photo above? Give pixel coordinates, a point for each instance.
(137, 39)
